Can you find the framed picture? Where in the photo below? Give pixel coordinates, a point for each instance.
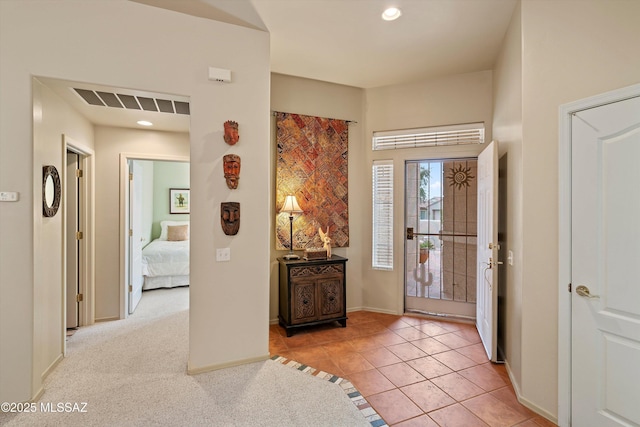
(179, 200)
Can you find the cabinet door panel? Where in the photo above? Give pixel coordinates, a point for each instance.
(303, 303)
(331, 301)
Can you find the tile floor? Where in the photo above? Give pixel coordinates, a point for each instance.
(413, 371)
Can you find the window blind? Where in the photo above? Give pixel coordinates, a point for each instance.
(471, 133)
(382, 257)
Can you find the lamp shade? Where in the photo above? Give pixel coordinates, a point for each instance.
(291, 206)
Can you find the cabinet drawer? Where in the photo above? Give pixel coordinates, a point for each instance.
(315, 270)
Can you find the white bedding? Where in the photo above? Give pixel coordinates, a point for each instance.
(165, 258)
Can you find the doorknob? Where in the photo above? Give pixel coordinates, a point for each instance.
(583, 291)
(492, 262)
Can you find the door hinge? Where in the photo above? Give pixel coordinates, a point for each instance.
(130, 232)
(78, 173)
(569, 287)
(79, 235)
(130, 177)
(79, 298)
(130, 288)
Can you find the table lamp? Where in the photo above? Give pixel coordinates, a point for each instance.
(291, 207)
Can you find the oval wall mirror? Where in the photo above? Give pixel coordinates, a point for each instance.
(51, 190)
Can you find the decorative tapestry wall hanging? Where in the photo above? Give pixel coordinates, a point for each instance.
(312, 165)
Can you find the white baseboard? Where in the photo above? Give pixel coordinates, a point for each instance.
(203, 369)
(51, 367)
(373, 310)
(535, 408)
(107, 319)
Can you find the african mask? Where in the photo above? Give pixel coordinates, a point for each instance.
(231, 132)
(230, 217)
(231, 163)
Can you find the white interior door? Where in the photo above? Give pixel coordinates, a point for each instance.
(73, 225)
(135, 235)
(605, 251)
(487, 263)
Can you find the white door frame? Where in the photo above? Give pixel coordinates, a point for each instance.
(124, 235)
(87, 244)
(430, 154)
(564, 239)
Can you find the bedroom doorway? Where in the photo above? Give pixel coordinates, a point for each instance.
(146, 182)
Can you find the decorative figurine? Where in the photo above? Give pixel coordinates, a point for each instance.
(326, 240)
(231, 132)
(231, 163)
(230, 217)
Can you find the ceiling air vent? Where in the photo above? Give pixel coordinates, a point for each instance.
(131, 102)
(110, 99)
(89, 96)
(182, 107)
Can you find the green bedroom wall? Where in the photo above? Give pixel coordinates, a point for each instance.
(167, 175)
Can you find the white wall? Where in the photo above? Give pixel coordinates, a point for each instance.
(569, 50)
(507, 130)
(46, 38)
(463, 98)
(52, 118)
(315, 98)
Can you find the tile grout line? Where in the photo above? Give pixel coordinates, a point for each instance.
(350, 390)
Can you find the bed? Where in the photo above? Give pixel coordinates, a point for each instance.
(165, 261)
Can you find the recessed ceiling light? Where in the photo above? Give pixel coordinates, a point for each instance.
(144, 123)
(391, 14)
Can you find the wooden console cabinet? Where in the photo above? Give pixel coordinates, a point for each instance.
(312, 292)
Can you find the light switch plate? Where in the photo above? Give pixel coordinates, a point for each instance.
(8, 196)
(223, 254)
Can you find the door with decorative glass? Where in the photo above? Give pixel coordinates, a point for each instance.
(441, 226)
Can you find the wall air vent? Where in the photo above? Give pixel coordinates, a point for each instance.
(131, 102)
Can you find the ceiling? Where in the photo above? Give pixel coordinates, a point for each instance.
(342, 41)
(348, 42)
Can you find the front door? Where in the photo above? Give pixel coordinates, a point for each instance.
(487, 262)
(605, 265)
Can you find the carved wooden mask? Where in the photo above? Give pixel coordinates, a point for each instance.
(230, 217)
(231, 163)
(231, 132)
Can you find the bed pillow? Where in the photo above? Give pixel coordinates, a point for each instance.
(164, 228)
(177, 233)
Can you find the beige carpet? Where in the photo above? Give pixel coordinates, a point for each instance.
(133, 373)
